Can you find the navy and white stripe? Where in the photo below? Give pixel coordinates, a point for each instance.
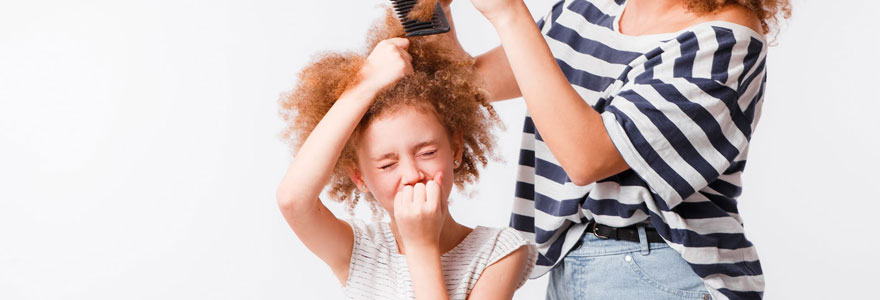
(680, 108)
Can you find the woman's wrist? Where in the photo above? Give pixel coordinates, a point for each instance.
(503, 20)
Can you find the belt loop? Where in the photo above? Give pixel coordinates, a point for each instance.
(643, 240)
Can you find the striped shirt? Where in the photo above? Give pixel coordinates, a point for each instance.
(680, 108)
(378, 271)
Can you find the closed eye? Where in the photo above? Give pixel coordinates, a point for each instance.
(386, 166)
(428, 153)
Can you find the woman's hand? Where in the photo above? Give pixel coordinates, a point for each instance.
(419, 214)
(495, 10)
(387, 63)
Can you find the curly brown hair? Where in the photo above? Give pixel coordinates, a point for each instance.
(423, 10)
(443, 82)
(767, 11)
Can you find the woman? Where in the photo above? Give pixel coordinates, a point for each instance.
(639, 118)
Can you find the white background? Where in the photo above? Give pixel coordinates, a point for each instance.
(139, 148)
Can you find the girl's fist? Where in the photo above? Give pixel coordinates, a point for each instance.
(387, 63)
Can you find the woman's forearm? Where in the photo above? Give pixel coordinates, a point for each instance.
(496, 76)
(491, 67)
(573, 131)
(315, 160)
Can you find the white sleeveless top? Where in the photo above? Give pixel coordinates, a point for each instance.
(378, 271)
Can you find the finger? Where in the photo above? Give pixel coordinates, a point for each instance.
(432, 192)
(418, 194)
(408, 70)
(386, 44)
(401, 43)
(403, 199)
(406, 56)
(407, 60)
(438, 177)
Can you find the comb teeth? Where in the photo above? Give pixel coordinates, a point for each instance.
(412, 27)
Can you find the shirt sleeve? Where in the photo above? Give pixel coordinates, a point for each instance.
(685, 116)
(508, 241)
(545, 22)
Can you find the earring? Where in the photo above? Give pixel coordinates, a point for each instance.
(456, 163)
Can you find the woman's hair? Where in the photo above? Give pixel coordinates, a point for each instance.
(443, 82)
(767, 10)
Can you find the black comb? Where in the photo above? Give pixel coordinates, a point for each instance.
(437, 24)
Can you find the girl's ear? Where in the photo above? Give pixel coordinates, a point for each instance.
(457, 147)
(355, 174)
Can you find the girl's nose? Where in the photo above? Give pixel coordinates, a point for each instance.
(411, 174)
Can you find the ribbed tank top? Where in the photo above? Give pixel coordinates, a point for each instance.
(378, 271)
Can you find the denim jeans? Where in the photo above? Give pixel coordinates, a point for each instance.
(605, 269)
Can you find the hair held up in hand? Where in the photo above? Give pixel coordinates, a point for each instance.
(443, 82)
(423, 10)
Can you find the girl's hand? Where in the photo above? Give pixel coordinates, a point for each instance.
(419, 214)
(387, 63)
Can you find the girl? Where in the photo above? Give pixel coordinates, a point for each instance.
(400, 127)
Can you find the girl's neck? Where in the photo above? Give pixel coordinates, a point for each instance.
(451, 234)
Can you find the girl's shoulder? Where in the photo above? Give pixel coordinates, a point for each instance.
(498, 246)
(510, 240)
(495, 242)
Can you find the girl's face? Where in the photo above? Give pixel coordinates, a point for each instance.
(404, 147)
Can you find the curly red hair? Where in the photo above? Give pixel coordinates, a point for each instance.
(443, 82)
(767, 11)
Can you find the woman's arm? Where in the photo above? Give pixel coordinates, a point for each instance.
(572, 130)
(494, 70)
(492, 66)
(328, 237)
